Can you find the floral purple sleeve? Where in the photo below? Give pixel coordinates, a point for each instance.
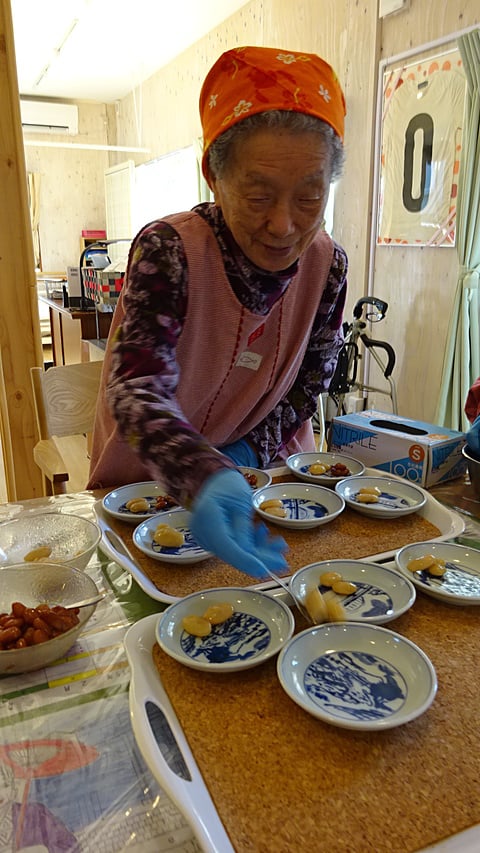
(316, 371)
(144, 376)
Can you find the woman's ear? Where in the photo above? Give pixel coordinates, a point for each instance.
(210, 178)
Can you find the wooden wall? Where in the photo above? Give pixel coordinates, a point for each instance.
(72, 192)
(417, 283)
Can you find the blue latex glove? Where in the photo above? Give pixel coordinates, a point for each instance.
(222, 522)
(473, 438)
(241, 453)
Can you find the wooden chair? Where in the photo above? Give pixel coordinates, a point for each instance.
(65, 399)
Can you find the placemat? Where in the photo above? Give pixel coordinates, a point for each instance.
(284, 781)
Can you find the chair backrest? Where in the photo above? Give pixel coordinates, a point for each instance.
(66, 397)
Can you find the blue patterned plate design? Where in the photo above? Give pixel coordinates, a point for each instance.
(381, 594)
(397, 497)
(189, 552)
(258, 628)
(357, 676)
(304, 505)
(115, 503)
(300, 463)
(461, 582)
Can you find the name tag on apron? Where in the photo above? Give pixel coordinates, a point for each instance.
(251, 360)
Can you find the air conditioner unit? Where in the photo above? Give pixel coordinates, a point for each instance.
(49, 117)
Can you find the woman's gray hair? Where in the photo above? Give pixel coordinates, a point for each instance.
(220, 151)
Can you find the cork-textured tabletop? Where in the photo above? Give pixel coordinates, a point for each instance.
(283, 781)
(349, 536)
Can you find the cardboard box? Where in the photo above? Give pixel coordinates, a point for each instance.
(103, 286)
(94, 233)
(422, 453)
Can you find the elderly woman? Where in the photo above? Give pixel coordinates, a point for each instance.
(229, 323)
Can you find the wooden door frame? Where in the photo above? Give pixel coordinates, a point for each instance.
(20, 339)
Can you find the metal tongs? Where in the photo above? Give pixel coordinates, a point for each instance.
(300, 606)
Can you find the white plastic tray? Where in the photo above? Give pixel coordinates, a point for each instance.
(165, 750)
(450, 523)
(163, 744)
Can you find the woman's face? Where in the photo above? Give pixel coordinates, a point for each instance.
(273, 194)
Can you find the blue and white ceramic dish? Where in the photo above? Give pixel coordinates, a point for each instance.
(305, 505)
(115, 503)
(461, 582)
(257, 630)
(189, 552)
(300, 463)
(381, 593)
(397, 497)
(356, 676)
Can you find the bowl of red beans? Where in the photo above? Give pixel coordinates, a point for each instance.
(37, 624)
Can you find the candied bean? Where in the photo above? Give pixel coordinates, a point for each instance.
(329, 578)
(12, 622)
(40, 636)
(437, 571)
(137, 505)
(218, 613)
(9, 635)
(37, 625)
(37, 554)
(342, 587)
(168, 537)
(335, 611)
(338, 470)
(317, 468)
(419, 564)
(370, 490)
(366, 498)
(40, 624)
(196, 625)
(315, 605)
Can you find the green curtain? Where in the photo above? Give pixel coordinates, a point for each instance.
(461, 365)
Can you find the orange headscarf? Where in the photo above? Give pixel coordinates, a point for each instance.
(248, 80)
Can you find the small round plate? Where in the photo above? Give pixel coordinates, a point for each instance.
(357, 676)
(461, 582)
(381, 594)
(299, 464)
(189, 552)
(305, 506)
(257, 630)
(115, 502)
(397, 497)
(255, 477)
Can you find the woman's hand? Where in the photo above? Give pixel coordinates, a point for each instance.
(222, 522)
